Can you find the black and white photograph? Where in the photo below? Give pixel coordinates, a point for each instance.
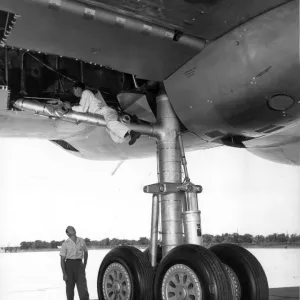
(149, 150)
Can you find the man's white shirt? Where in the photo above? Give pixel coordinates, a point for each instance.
(89, 103)
(71, 250)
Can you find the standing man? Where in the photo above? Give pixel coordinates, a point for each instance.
(73, 250)
(96, 105)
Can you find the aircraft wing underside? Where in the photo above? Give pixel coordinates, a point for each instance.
(150, 39)
(218, 60)
(84, 140)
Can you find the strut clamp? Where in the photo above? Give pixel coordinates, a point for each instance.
(169, 187)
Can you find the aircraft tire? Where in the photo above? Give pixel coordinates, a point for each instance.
(191, 272)
(251, 276)
(125, 273)
(159, 254)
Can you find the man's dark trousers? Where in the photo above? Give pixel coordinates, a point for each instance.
(76, 274)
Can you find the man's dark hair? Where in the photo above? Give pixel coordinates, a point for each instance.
(79, 84)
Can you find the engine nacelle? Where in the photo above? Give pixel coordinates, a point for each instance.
(244, 84)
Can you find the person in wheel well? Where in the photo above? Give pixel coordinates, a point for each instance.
(72, 251)
(95, 104)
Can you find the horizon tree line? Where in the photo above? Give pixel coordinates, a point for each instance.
(208, 239)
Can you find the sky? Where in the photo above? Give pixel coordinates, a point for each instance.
(43, 189)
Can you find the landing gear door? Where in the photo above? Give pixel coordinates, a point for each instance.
(136, 104)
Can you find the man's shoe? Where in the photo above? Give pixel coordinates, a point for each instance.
(134, 136)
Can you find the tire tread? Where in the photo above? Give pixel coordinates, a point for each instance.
(251, 263)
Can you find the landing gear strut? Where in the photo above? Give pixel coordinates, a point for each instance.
(187, 271)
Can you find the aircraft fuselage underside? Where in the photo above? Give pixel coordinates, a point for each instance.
(240, 89)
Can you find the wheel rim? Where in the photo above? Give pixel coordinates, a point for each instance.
(116, 283)
(181, 283)
(234, 283)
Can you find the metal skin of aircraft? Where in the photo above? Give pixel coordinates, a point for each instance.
(204, 74)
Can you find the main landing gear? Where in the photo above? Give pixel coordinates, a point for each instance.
(182, 269)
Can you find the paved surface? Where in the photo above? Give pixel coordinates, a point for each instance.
(289, 293)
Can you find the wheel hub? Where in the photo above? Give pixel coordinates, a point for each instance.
(180, 293)
(116, 283)
(181, 283)
(116, 287)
